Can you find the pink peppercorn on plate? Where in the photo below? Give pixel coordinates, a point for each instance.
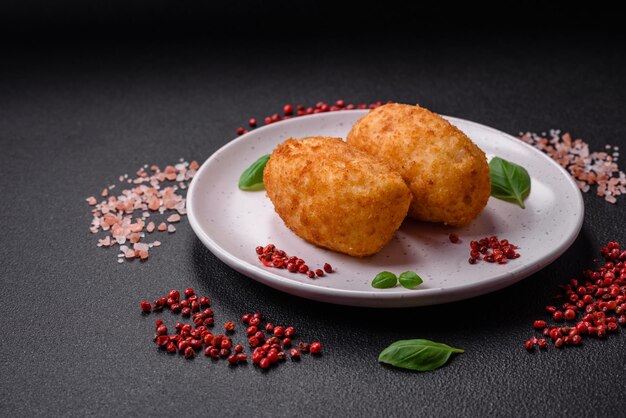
(232, 223)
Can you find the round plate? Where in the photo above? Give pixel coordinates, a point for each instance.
(231, 223)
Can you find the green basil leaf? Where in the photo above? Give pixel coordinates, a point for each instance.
(384, 280)
(509, 182)
(420, 355)
(409, 279)
(252, 177)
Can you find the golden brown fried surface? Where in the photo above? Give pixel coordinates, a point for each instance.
(335, 196)
(447, 173)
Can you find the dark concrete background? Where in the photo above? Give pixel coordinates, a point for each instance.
(73, 116)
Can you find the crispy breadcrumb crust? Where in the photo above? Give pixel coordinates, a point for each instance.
(335, 196)
(447, 173)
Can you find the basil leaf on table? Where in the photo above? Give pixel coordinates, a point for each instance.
(384, 280)
(509, 182)
(420, 355)
(409, 279)
(252, 177)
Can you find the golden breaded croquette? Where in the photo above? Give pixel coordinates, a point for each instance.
(446, 172)
(335, 196)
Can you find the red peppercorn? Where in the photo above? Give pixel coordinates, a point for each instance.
(242, 358)
(246, 318)
(295, 354)
(304, 347)
(226, 343)
(240, 131)
(145, 306)
(238, 348)
(279, 331)
(288, 109)
(161, 330)
(542, 343)
(310, 274)
(303, 268)
(267, 120)
(254, 321)
(559, 342)
(529, 345)
(170, 347)
(539, 324)
(232, 359)
(272, 357)
(328, 268)
(269, 327)
(252, 122)
(224, 352)
(316, 348)
(286, 342)
(264, 363)
(251, 330)
(205, 301)
(557, 316)
(189, 353)
(569, 314)
(454, 238)
(319, 272)
(229, 326)
(186, 311)
(253, 341)
(290, 332)
(162, 340)
(189, 292)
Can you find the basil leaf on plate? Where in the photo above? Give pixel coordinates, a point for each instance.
(420, 355)
(509, 182)
(384, 280)
(252, 177)
(409, 279)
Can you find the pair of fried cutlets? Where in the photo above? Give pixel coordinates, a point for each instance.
(352, 196)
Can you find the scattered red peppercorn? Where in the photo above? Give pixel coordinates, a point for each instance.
(264, 363)
(316, 348)
(229, 326)
(252, 122)
(189, 353)
(454, 238)
(189, 292)
(529, 345)
(569, 314)
(295, 354)
(600, 298)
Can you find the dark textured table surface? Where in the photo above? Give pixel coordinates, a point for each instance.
(74, 343)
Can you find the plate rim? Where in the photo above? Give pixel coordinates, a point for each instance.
(377, 298)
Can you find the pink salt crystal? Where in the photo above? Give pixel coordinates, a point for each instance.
(156, 244)
(162, 226)
(91, 201)
(194, 165)
(173, 218)
(171, 228)
(150, 227)
(129, 254)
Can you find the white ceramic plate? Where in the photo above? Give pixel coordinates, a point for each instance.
(231, 223)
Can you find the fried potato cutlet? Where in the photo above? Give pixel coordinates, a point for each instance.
(335, 196)
(447, 173)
